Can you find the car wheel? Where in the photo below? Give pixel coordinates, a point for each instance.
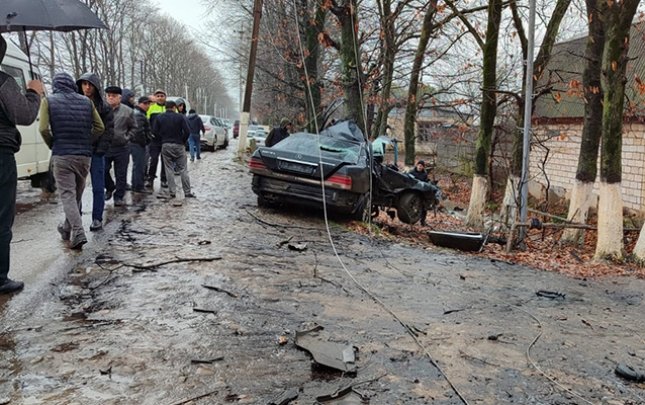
(410, 208)
(361, 213)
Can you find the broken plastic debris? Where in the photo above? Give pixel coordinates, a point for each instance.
(346, 396)
(335, 355)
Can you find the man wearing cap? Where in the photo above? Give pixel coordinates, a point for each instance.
(16, 108)
(90, 86)
(159, 107)
(119, 151)
(277, 134)
(173, 129)
(138, 144)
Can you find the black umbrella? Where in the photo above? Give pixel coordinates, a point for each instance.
(47, 15)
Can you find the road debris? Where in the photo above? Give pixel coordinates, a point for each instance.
(219, 289)
(298, 247)
(284, 398)
(629, 373)
(552, 295)
(283, 340)
(139, 268)
(335, 355)
(207, 361)
(204, 310)
(346, 396)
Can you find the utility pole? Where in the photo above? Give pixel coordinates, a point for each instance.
(528, 107)
(246, 108)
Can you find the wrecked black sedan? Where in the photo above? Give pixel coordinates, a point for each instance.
(336, 168)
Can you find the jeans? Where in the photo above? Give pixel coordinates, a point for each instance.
(193, 144)
(155, 153)
(8, 184)
(138, 153)
(97, 174)
(121, 160)
(174, 158)
(70, 173)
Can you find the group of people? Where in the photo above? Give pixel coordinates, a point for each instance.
(89, 131)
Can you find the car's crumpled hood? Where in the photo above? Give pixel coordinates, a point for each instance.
(347, 130)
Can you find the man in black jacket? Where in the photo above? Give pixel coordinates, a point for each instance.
(89, 85)
(279, 133)
(173, 130)
(119, 151)
(16, 108)
(138, 144)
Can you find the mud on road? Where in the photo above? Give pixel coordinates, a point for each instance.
(131, 321)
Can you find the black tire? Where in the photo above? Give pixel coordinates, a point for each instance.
(361, 213)
(410, 208)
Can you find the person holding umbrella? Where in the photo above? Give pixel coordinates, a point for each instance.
(15, 109)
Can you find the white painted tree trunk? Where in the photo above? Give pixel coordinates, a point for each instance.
(610, 222)
(508, 211)
(477, 203)
(639, 249)
(581, 199)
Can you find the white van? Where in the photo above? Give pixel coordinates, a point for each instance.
(32, 160)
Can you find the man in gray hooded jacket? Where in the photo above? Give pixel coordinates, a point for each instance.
(16, 108)
(89, 85)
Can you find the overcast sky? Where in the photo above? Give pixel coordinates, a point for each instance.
(188, 12)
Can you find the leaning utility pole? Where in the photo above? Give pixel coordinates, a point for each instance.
(246, 108)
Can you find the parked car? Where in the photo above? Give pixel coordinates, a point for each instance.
(33, 159)
(258, 134)
(236, 128)
(216, 135)
(291, 171)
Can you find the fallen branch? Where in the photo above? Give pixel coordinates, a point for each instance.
(281, 225)
(138, 268)
(214, 288)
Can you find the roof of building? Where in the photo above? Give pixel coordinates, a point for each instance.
(564, 73)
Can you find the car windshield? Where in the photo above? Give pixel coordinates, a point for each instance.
(328, 146)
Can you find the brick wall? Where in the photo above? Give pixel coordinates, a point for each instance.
(563, 144)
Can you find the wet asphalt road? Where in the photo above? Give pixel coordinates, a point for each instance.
(107, 326)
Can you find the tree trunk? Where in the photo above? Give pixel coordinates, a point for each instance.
(475, 216)
(351, 69)
(312, 92)
(541, 60)
(413, 88)
(581, 196)
(389, 52)
(619, 17)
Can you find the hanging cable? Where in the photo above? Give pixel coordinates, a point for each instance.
(407, 328)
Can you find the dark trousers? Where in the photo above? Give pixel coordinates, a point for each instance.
(97, 174)
(155, 156)
(121, 160)
(8, 184)
(138, 153)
